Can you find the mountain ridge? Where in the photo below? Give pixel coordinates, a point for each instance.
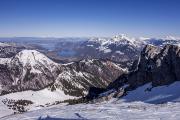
(31, 70)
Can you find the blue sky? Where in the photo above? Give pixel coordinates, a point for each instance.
(76, 18)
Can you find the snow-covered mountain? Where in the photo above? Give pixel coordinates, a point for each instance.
(121, 39)
(28, 69)
(120, 48)
(32, 70)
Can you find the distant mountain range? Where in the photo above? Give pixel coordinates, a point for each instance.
(120, 49)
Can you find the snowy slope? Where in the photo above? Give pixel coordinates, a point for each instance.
(158, 94)
(135, 106)
(39, 98)
(33, 58)
(38, 64)
(4, 110)
(30, 59)
(104, 111)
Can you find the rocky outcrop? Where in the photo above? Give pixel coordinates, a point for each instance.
(158, 66)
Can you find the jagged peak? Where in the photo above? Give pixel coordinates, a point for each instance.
(116, 38)
(170, 48)
(123, 37)
(150, 51)
(149, 47)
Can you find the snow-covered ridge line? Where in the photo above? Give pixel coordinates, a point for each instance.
(32, 57)
(119, 37)
(133, 40)
(122, 38)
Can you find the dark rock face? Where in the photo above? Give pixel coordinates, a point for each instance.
(166, 69)
(157, 65)
(143, 72)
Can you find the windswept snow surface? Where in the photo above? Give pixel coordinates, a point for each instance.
(137, 105)
(140, 104)
(113, 110)
(155, 95)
